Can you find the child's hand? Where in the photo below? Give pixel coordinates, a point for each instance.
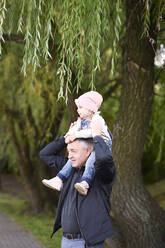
(67, 139)
(96, 127)
(70, 138)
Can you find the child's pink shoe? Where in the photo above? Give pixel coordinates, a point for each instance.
(82, 187)
(54, 183)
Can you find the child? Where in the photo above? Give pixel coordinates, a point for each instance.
(87, 107)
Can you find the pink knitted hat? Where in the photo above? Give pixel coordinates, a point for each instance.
(91, 100)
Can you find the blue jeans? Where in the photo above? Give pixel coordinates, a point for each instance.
(89, 172)
(64, 173)
(77, 243)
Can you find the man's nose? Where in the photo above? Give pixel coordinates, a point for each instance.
(69, 155)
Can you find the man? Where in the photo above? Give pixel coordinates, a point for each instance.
(85, 220)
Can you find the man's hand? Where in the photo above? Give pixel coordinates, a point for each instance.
(96, 127)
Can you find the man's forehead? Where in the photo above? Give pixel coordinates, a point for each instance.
(75, 144)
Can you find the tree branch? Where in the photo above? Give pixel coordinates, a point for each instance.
(112, 88)
(11, 112)
(14, 37)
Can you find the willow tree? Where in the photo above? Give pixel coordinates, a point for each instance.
(72, 32)
(39, 27)
(25, 105)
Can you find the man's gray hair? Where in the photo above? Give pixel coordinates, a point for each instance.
(86, 142)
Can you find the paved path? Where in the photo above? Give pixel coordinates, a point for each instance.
(13, 236)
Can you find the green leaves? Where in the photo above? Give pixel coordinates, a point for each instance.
(117, 28)
(2, 18)
(71, 33)
(29, 110)
(152, 15)
(75, 29)
(82, 26)
(146, 17)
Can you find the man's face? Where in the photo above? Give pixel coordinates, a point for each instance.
(78, 153)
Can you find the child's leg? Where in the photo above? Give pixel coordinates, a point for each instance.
(89, 172)
(57, 182)
(64, 173)
(87, 176)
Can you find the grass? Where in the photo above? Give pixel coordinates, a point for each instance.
(39, 226)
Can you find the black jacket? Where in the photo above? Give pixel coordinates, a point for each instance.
(92, 210)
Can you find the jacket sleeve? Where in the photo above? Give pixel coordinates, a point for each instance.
(104, 165)
(50, 154)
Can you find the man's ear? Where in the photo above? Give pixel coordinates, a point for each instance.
(89, 150)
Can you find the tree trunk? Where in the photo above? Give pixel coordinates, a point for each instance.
(141, 220)
(72, 108)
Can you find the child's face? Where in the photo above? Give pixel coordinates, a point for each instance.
(83, 112)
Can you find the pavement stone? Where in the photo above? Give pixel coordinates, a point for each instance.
(14, 236)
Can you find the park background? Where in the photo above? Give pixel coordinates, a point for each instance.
(52, 52)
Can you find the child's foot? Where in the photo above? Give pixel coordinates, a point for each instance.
(54, 183)
(82, 187)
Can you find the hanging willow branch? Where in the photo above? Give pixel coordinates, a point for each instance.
(2, 17)
(77, 27)
(117, 28)
(146, 17)
(82, 28)
(152, 8)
